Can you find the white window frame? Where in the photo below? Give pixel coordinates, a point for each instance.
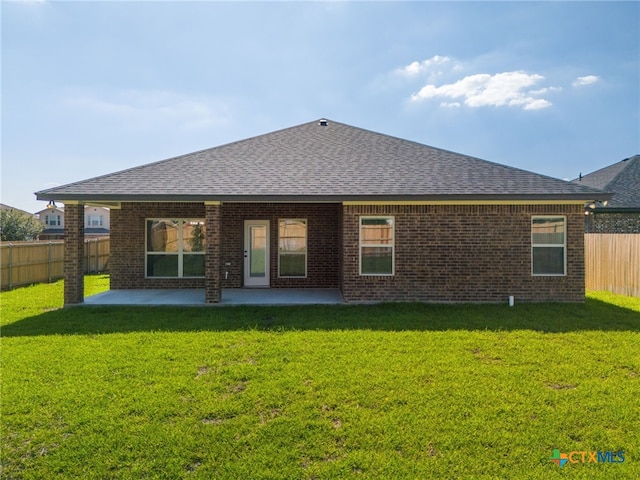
(52, 220)
(306, 248)
(370, 245)
(94, 220)
(179, 253)
(554, 245)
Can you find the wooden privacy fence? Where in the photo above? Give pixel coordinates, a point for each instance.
(24, 263)
(612, 262)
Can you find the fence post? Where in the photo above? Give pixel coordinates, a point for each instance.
(49, 262)
(97, 266)
(87, 251)
(10, 264)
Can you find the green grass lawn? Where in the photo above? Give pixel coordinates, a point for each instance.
(323, 392)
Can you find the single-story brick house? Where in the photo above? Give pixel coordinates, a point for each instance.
(324, 204)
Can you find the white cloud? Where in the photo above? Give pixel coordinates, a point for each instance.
(587, 80)
(152, 109)
(429, 70)
(536, 104)
(509, 89)
(425, 66)
(546, 90)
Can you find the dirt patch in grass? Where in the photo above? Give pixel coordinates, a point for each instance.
(238, 388)
(630, 371)
(561, 386)
(214, 420)
(485, 357)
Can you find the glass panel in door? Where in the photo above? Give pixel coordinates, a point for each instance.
(256, 253)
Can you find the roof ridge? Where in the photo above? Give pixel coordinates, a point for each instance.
(630, 161)
(613, 179)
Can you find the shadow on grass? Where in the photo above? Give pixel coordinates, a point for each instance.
(592, 315)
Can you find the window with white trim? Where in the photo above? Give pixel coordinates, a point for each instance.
(292, 247)
(175, 247)
(53, 220)
(94, 220)
(377, 245)
(548, 245)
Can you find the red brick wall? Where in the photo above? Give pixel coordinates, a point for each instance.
(460, 253)
(604, 222)
(478, 253)
(74, 254)
(212, 293)
(323, 242)
(127, 262)
(127, 256)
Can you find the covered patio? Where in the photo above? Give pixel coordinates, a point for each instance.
(230, 296)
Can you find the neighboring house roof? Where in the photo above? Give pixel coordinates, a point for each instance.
(9, 207)
(49, 210)
(321, 161)
(622, 179)
(61, 209)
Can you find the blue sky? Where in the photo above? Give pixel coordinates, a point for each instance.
(90, 88)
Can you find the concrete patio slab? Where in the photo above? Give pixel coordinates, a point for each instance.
(281, 296)
(148, 297)
(233, 296)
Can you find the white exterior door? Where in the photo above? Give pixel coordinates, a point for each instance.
(256, 253)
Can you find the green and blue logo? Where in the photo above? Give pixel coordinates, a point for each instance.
(586, 457)
(559, 458)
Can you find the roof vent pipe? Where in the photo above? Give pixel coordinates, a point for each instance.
(323, 123)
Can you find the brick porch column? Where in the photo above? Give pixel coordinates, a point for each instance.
(73, 254)
(212, 292)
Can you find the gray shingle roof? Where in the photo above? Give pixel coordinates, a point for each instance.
(311, 162)
(622, 179)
